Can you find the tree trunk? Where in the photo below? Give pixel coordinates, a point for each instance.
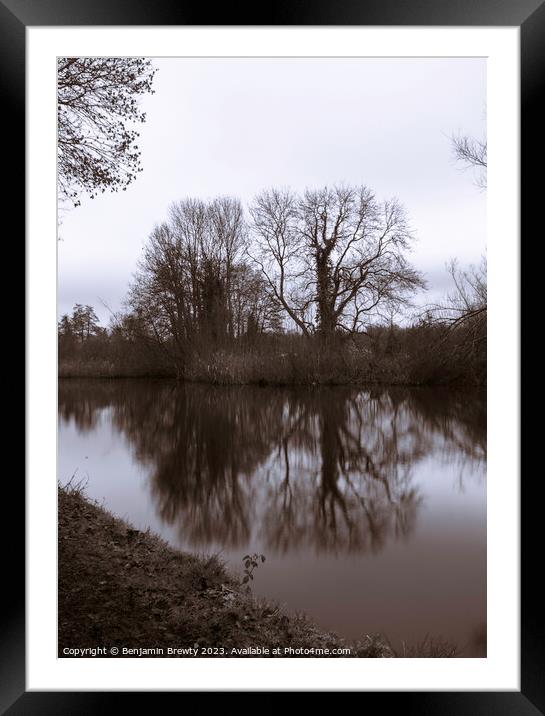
(325, 298)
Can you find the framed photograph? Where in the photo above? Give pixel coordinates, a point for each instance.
(269, 415)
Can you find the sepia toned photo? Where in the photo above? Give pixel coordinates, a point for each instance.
(272, 367)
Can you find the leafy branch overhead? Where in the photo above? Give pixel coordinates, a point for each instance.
(97, 102)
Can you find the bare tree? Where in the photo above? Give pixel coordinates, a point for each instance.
(190, 276)
(214, 237)
(96, 98)
(253, 308)
(331, 257)
(462, 317)
(467, 302)
(278, 252)
(228, 240)
(471, 153)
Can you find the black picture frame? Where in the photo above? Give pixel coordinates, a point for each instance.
(15, 17)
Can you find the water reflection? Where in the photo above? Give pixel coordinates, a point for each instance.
(328, 469)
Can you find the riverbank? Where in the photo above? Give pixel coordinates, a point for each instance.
(122, 588)
(396, 356)
(287, 370)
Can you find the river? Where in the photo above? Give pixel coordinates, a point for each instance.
(369, 504)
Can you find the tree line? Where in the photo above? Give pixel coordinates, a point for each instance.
(319, 264)
(327, 267)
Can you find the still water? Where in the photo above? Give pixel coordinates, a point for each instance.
(369, 504)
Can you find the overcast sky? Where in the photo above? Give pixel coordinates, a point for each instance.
(237, 126)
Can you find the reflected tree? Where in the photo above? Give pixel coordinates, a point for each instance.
(356, 490)
(330, 469)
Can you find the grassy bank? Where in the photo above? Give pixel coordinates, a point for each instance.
(395, 356)
(119, 587)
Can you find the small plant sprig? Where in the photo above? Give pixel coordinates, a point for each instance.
(251, 561)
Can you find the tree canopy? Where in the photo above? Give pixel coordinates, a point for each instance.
(333, 256)
(97, 104)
